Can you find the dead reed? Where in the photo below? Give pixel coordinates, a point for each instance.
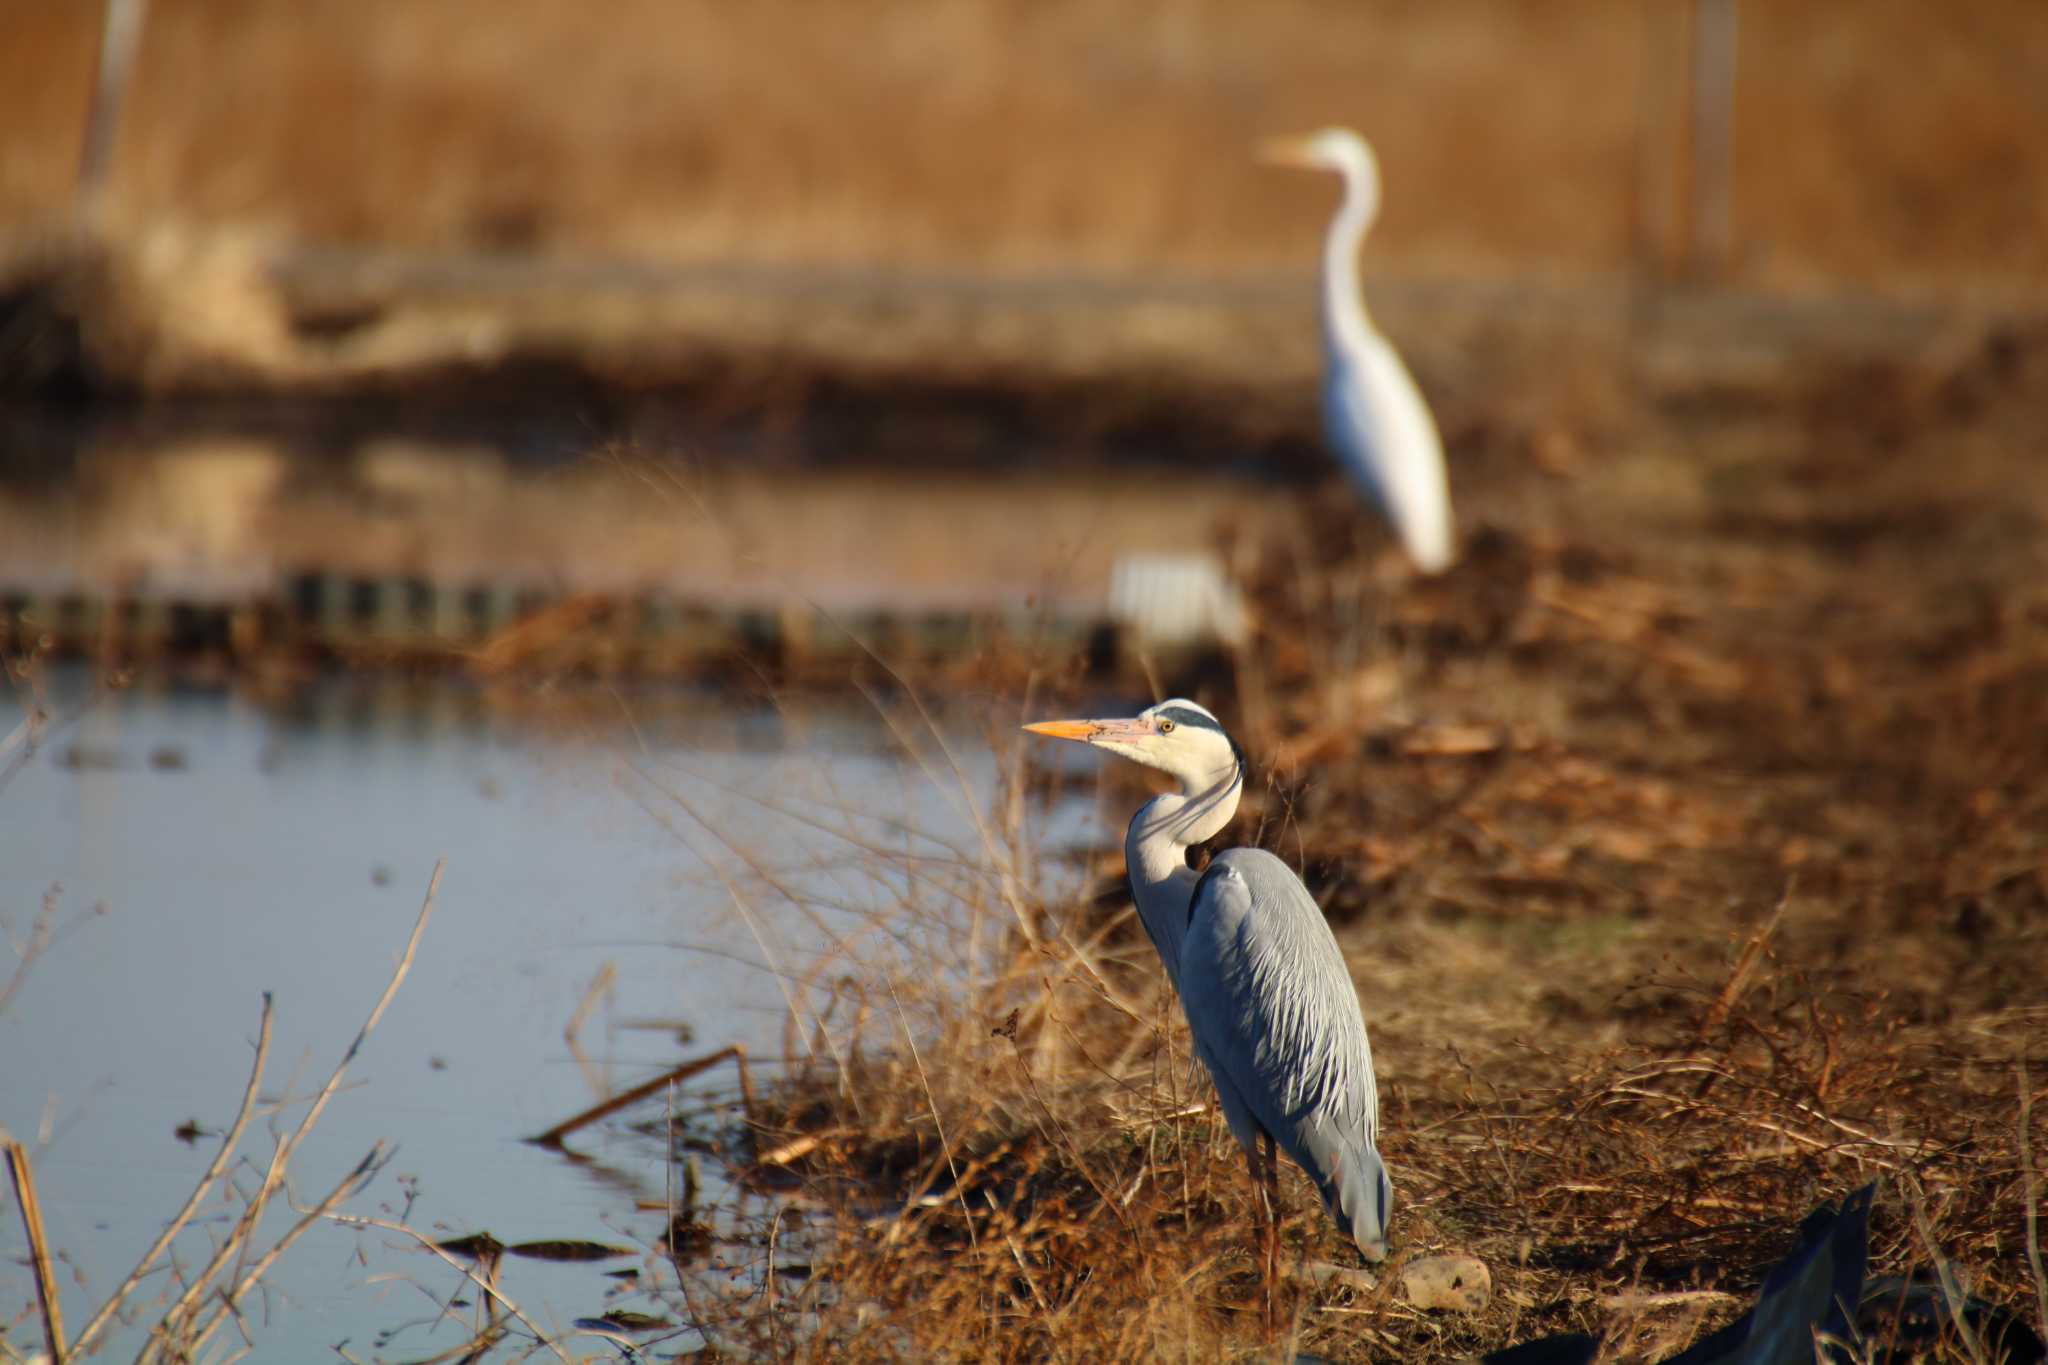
(1687, 842)
(1692, 873)
(205, 1300)
(1070, 133)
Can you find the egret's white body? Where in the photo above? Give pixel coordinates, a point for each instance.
(1267, 994)
(1373, 414)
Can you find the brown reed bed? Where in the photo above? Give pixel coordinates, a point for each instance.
(970, 133)
(1687, 843)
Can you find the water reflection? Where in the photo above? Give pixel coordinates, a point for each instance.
(644, 865)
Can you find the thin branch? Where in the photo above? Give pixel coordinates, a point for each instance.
(38, 942)
(237, 1240)
(228, 1144)
(2028, 1180)
(496, 1295)
(553, 1136)
(230, 1301)
(20, 744)
(1951, 1293)
(931, 1102)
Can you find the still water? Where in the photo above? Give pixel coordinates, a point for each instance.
(667, 862)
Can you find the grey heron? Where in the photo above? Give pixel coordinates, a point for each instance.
(1373, 414)
(1268, 998)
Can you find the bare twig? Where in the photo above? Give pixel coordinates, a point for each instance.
(26, 953)
(229, 1142)
(236, 1242)
(599, 990)
(487, 1285)
(21, 742)
(2028, 1180)
(553, 1136)
(1738, 979)
(230, 1300)
(1006, 872)
(1951, 1293)
(1659, 1299)
(939, 1124)
(44, 934)
(39, 1248)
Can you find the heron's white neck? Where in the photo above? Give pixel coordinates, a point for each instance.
(1156, 852)
(1345, 323)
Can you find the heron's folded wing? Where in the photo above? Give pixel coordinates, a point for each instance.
(1274, 1013)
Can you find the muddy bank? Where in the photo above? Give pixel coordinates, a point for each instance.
(1210, 363)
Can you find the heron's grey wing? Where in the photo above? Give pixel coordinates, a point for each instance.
(1275, 1018)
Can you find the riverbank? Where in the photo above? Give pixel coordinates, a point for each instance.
(1688, 855)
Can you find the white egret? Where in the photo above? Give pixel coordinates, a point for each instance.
(1268, 997)
(1373, 414)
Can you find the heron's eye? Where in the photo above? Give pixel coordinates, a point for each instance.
(1165, 727)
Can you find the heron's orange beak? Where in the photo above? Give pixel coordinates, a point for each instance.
(1089, 731)
(1082, 730)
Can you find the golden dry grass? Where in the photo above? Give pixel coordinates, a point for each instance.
(1879, 144)
(1687, 842)
(1688, 846)
(1746, 676)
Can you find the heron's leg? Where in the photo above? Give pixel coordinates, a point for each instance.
(1266, 1169)
(1272, 1216)
(1273, 1200)
(1259, 1193)
(1260, 1189)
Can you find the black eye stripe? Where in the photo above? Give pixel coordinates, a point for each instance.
(1181, 715)
(1201, 720)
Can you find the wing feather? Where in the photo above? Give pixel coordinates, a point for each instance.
(1276, 1020)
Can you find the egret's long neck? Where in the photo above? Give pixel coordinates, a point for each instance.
(1156, 852)
(1344, 316)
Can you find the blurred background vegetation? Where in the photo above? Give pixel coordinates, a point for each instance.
(516, 340)
(1885, 145)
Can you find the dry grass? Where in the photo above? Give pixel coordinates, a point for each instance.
(201, 1294)
(1688, 849)
(1883, 144)
(1688, 845)
(1687, 842)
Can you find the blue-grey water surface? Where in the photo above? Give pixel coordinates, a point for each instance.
(203, 849)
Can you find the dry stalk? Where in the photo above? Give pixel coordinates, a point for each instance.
(1952, 1296)
(1010, 888)
(487, 1284)
(230, 1300)
(22, 741)
(737, 1054)
(733, 891)
(39, 1248)
(1745, 966)
(675, 1215)
(2028, 1181)
(599, 991)
(938, 1123)
(229, 1142)
(178, 1319)
(26, 953)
